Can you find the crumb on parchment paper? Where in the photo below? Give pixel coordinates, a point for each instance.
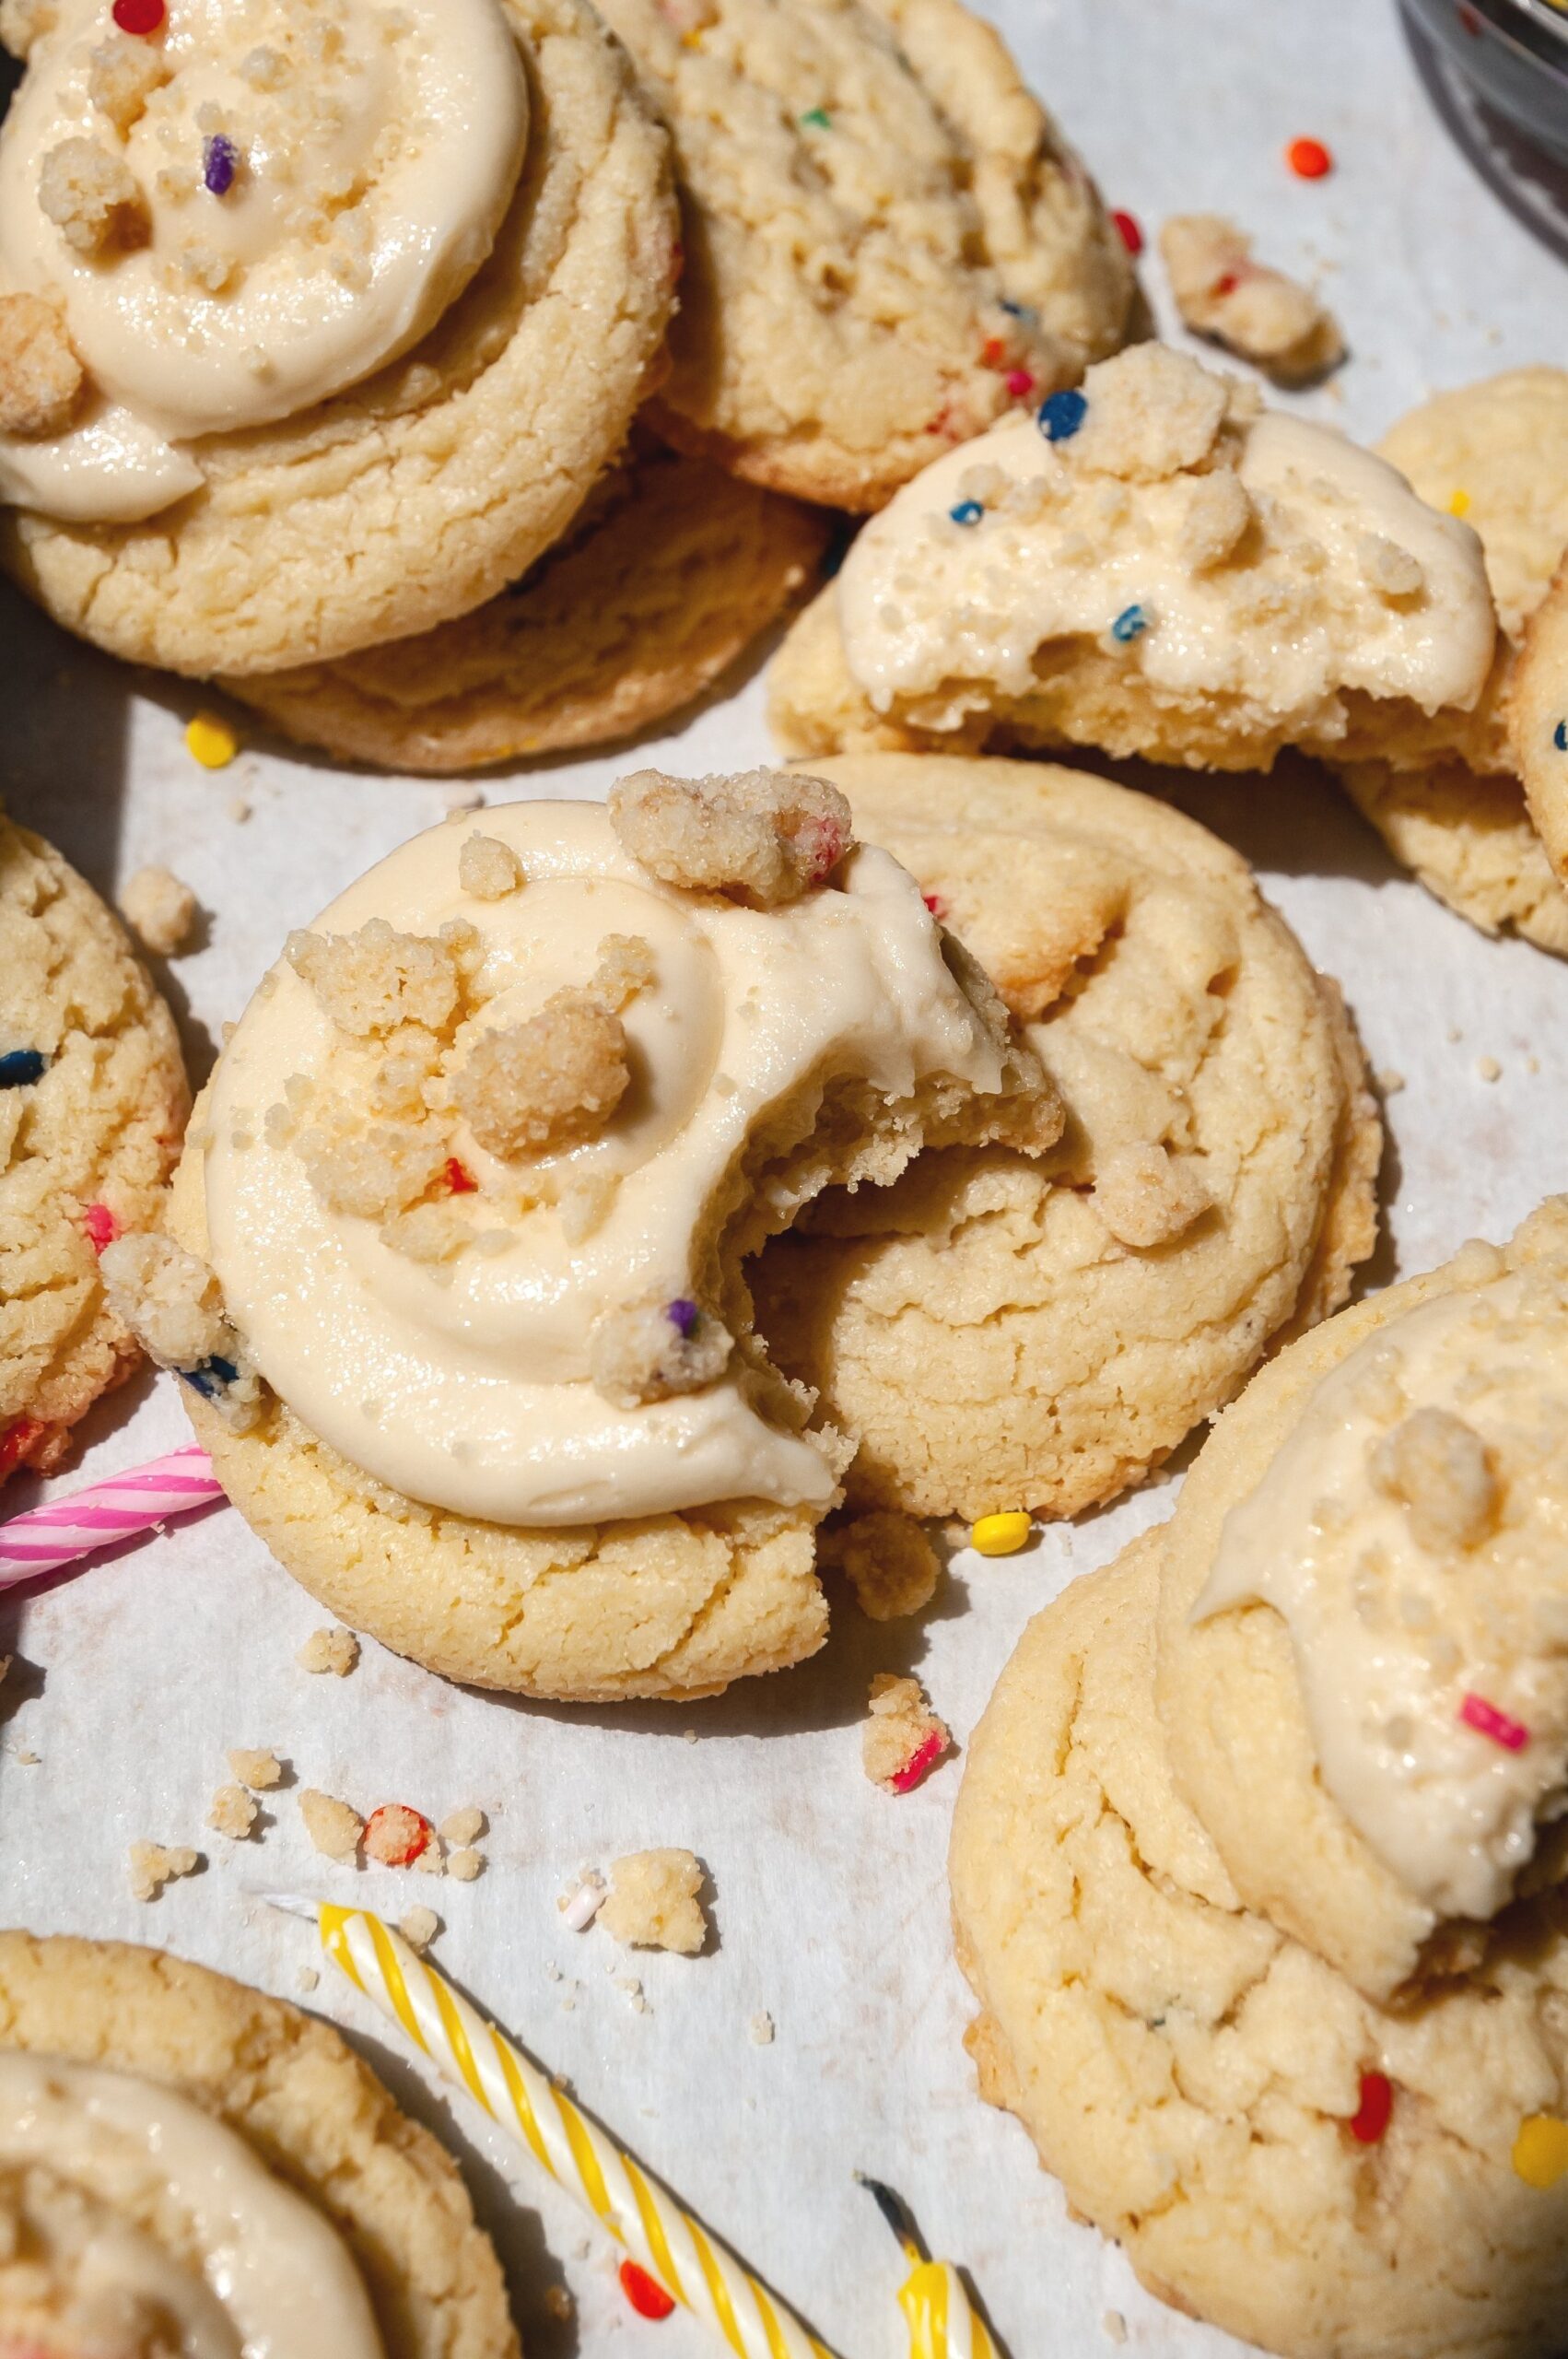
(160, 910)
(233, 1813)
(332, 1827)
(330, 1650)
(901, 1737)
(155, 1864)
(653, 1902)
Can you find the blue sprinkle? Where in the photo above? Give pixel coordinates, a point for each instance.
(1020, 311)
(1560, 736)
(20, 1067)
(1059, 416)
(1131, 624)
(969, 511)
(683, 1315)
(210, 1378)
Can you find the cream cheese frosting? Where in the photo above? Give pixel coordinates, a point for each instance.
(131, 2198)
(466, 1382)
(1412, 1532)
(1256, 556)
(294, 196)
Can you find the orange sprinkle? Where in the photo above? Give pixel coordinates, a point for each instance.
(1310, 159)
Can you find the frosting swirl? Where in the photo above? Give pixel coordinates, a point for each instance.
(1409, 1533)
(243, 215)
(447, 1346)
(145, 2221)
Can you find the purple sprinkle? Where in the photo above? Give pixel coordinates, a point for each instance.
(683, 1316)
(220, 160)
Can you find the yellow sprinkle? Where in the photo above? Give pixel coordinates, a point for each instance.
(211, 741)
(1540, 2151)
(1461, 504)
(1001, 1536)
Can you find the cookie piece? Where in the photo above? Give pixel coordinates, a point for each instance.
(1495, 453)
(421, 491)
(1000, 1333)
(1155, 566)
(672, 571)
(1191, 2075)
(1537, 722)
(592, 1484)
(92, 1105)
(299, 2098)
(887, 239)
(1251, 309)
(1381, 1768)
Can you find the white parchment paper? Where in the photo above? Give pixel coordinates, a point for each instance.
(830, 1900)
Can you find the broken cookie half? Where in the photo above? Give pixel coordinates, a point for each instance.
(474, 1189)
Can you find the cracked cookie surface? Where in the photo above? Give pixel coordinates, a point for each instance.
(89, 1141)
(1190, 2075)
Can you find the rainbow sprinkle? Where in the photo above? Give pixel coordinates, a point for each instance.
(19, 1068)
(817, 118)
(220, 162)
(1560, 736)
(969, 511)
(1487, 1720)
(1131, 624)
(1059, 416)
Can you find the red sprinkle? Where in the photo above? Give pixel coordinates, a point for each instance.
(924, 1758)
(1487, 1720)
(936, 905)
(141, 16)
(1371, 2119)
(645, 2293)
(15, 1440)
(825, 844)
(1310, 159)
(1228, 284)
(995, 352)
(459, 1179)
(1019, 383)
(1129, 230)
(396, 1835)
(100, 1225)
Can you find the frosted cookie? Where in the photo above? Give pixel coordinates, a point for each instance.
(674, 569)
(316, 325)
(1275, 2154)
(1151, 566)
(1496, 454)
(92, 1106)
(887, 242)
(1364, 1632)
(474, 1184)
(187, 2166)
(997, 1333)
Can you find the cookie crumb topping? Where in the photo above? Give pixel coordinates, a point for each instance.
(1438, 1465)
(654, 1903)
(40, 377)
(488, 868)
(549, 1083)
(172, 1303)
(121, 77)
(653, 1350)
(762, 837)
(371, 982)
(92, 197)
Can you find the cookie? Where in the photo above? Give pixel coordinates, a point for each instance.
(1191, 2075)
(672, 570)
(511, 1164)
(1152, 566)
(1496, 454)
(997, 1333)
(1381, 1767)
(1537, 722)
(92, 1105)
(397, 403)
(347, 2197)
(887, 242)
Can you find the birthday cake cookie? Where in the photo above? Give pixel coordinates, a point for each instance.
(92, 1106)
(1496, 454)
(1154, 566)
(1363, 1639)
(316, 325)
(672, 570)
(461, 1294)
(188, 2167)
(887, 242)
(998, 1331)
(1314, 2173)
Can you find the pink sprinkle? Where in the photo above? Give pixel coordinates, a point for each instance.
(1018, 382)
(100, 1225)
(1487, 1720)
(936, 905)
(825, 844)
(926, 1755)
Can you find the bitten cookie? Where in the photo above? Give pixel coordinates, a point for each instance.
(465, 1217)
(1152, 566)
(360, 302)
(997, 1333)
(1496, 454)
(92, 1105)
(130, 2086)
(1192, 2076)
(1363, 1642)
(1537, 722)
(673, 568)
(886, 241)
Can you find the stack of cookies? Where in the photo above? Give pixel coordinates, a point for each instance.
(1257, 1868)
